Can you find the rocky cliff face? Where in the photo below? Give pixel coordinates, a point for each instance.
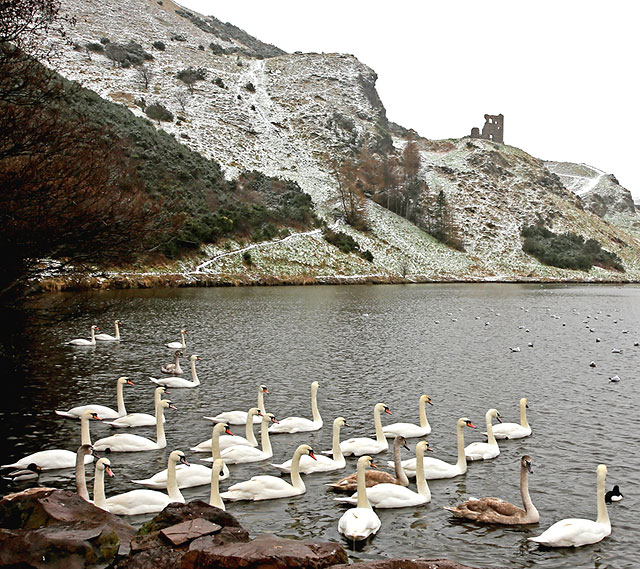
(601, 193)
(288, 114)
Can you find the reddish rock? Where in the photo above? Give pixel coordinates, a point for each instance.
(189, 530)
(43, 527)
(265, 552)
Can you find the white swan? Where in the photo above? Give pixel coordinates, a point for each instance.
(173, 367)
(240, 417)
(108, 337)
(104, 412)
(362, 445)
(214, 497)
(514, 430)
(141, 419)
(321, 463)
(409, 430)
(181, 345)
(196, 474)
(360, 522)
(394, 496)
(59, 458)
(143, 501)
(488, 450)
(231, 440)
(574, 532)
(126, 442)
(269, 487)
(300, 424)
(242, 453)
(434, 468)
(179, 381)
(83, 341)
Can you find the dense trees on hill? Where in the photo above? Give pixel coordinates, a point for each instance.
(393, 181)
(85, 182)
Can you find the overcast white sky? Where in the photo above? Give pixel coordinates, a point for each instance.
(565, 73)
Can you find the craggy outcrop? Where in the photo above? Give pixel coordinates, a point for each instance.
(48, 528)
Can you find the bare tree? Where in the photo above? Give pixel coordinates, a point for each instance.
(144, 76)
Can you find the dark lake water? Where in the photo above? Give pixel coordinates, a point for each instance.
(364, 344)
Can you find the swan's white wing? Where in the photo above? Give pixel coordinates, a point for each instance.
(125, 443)
(481, 451)
(510, 431)
(241, 454)
(135, 420)
(186, 476)
(362, 445)
(137, 502)
(260, 488)
(308, 465)
(294, 425)
(49, 460)
(572, 532)
(408, 430)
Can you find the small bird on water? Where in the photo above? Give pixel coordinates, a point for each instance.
(613, 495)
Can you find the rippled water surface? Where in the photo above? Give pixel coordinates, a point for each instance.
(365, 344)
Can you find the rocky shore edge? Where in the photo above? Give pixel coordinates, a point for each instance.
(45, 528)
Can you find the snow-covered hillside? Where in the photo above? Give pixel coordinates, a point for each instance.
(601, 192)
(287, 114)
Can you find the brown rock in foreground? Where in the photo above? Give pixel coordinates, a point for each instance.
(48, 528)
(266, 552)
(407, 564)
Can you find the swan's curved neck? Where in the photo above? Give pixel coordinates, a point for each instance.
(215, 443)
(265, 443)
(160, 438)
(378, 423)
(490, 438)
(194, 375)
(184, 344)
(261, 401)
(335, 446)
(424, 422)
(117, 336)
(93, 335)
(314, 405)
(296, 480)
(524, 492)
(523, 415)
(603, 514)
(81, 481)
(157, 396)
(248, 431)
(99, 498)
(421, 482)
(214, 498)
(363, 499)
(172, 483)
(397, 465)
(122, 410)
(85, 435)
(462, 459)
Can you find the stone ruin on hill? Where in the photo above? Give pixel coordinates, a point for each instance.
(493, 129)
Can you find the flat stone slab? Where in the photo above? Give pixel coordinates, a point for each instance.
(189, 530)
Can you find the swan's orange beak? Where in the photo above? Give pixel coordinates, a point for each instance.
(372, 465)
(313, 456)
(470, 424)
(265, 390)
(274, 420)
(173, 407)
(108, 471)
(226, 430)
(183, 460)
(499, 419)
(96, 417)
(129, 382)
(429, 448)
(387, 411)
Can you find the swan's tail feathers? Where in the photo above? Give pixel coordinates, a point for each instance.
(346, 500)
(65, 414)
(536, 539)
(327, 452)
(214, 419)
(114, 425)
(14, 465)
(155, 380)
(281, 468)
(143, 482)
